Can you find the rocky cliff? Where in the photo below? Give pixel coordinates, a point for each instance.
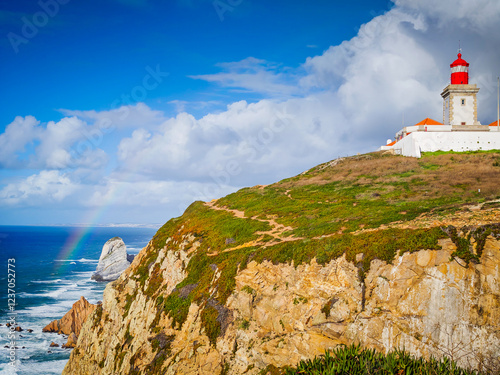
(113, 260)
(385, 251)
(71, 323)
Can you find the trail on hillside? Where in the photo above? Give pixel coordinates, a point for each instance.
(470, 216)
(277, 230)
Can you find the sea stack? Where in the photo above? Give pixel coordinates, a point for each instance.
(113, 261)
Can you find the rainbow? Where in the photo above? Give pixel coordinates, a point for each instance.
(74, 244)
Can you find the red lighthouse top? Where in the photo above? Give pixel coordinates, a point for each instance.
(459, 71)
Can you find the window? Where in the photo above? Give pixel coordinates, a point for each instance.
(463, 101)
(463, 123)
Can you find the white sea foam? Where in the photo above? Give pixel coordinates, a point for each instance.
(56, 310)
(46, 368)
(83, 274)
(56, 281)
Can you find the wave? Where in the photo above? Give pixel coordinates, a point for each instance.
(83, 273)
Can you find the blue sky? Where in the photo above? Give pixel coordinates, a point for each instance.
(125, 111)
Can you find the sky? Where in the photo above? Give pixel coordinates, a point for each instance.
(127, 111)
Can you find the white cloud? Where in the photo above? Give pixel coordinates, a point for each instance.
(18, 135)
(255, 75)
(125, 116)
(478, 15)
(69, 143)
(38, 189)
(348, 99)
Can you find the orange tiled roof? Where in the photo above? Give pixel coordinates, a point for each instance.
(429, 121)
(391, 144)
(494, 123)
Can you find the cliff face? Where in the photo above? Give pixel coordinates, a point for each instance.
(226, 290)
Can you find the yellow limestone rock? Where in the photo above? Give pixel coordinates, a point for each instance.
(281, 314)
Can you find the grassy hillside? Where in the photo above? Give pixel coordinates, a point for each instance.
(377, 204)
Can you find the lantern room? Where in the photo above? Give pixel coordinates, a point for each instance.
(459, 71)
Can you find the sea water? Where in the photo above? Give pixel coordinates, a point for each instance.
(52, 268)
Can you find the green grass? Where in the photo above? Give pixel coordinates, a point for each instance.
(317, 210)
(356, 361)
(177, 307)
(437, 153)
(211, 226)
(384, 245)
(209, 321)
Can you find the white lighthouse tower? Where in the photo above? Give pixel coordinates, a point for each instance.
(459, 98)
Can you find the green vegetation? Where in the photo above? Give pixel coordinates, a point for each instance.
(354, 360)
(212, 226)
(382, 244)
(97, 316)
(177, 307)
(300, 299)
(245, 324)
(212, 326)
(465, 249)
(328, 306)
(437, 153)
(248, 289)
(128, 303)
(371, 190)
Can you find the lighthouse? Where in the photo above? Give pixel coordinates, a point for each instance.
(459, 98)
(460, 130)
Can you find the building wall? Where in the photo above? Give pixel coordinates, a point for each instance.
(446, 111)
(418, 142)
(463, 113)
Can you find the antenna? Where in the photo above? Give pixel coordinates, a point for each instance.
(498, 107)
(459, 47)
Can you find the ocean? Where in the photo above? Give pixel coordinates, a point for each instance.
(51, 267)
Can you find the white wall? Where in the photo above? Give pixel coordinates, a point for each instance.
(415, 143)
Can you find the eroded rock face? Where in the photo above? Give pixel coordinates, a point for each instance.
(281, 314)
(113, 260)
(73, 320)
(72, 340)
(71, 323)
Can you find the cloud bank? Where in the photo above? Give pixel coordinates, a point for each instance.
(348, 99)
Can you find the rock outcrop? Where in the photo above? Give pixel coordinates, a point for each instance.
(113, 260)
(72, 340)
(71, 323)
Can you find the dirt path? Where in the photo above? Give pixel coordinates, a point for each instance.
(476, 215)
(277, 230)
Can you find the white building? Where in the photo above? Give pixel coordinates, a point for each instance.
(460, 130)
